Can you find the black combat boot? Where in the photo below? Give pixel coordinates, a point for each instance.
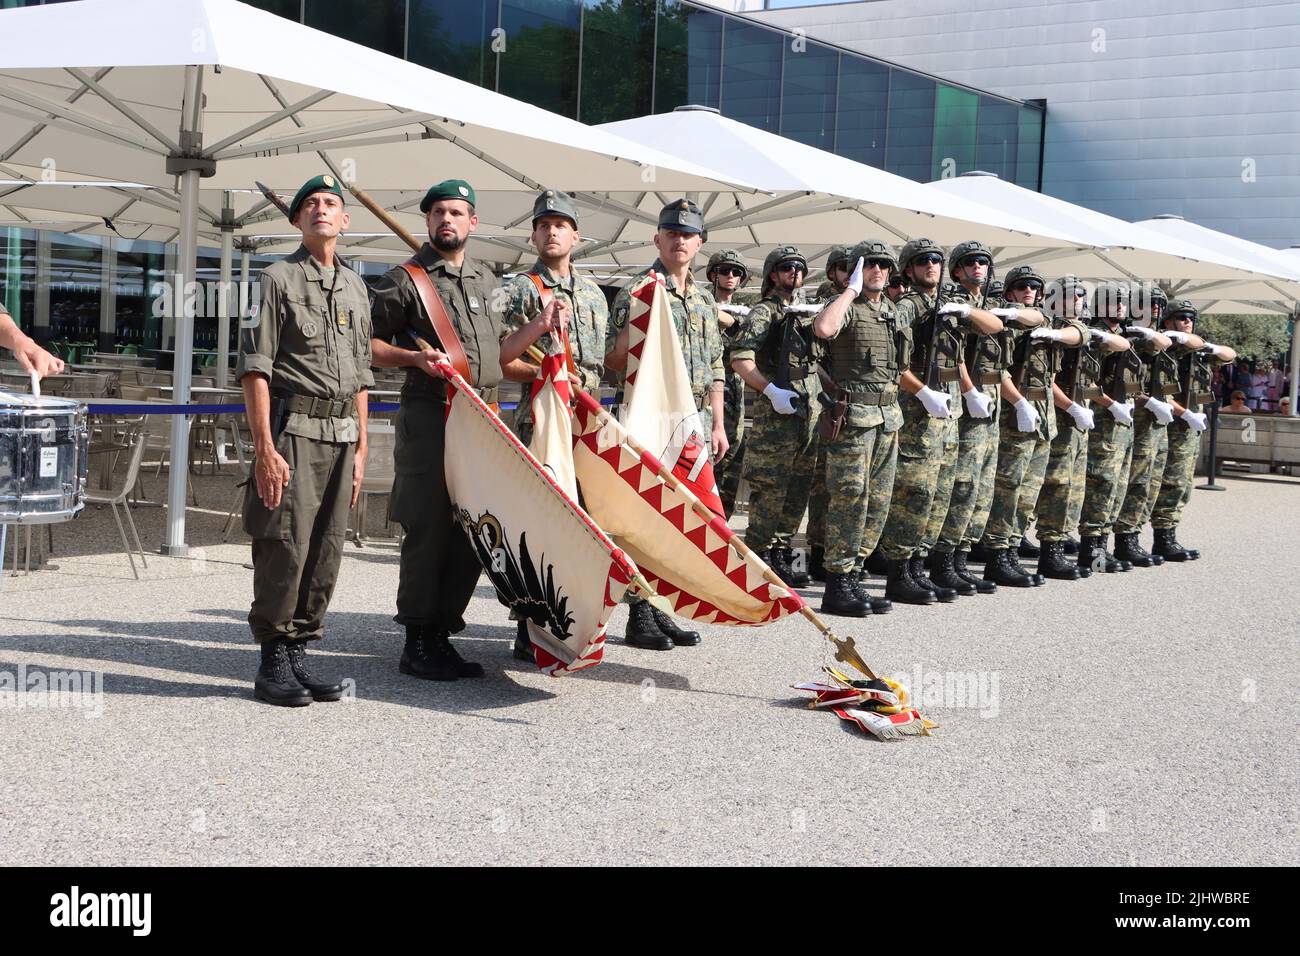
(1070, 547)
(798, 579)
(1110, 558)
(959, 566)
(643, 631)
(1052, 562)
(275, 682)
(679, 637)
(1001, 568)
(877, 563)
(816, 563)
(319, 688)
(523, 649)
(900, 587)
(980, 553)
(841, 599)
(1090, 554)
(1127, 548)
(944, 574)
(1027, 550)
(420, 660)
(1166, 545)
(916, 568)
(441, 644)
(878, 605)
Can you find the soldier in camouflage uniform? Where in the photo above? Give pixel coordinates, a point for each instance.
(1150, 440)
(867, 350)
(1196, 373)
(1110, 444)
(927, 443)
(555, 236)
(838, 267)
(775, 356)
(727, 272)
(1027, 428)
(695, 320)
(988, 359)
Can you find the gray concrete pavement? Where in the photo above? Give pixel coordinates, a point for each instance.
(1141, 718)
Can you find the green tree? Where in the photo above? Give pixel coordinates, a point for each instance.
(1258, 337)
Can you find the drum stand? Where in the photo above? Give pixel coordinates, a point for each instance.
(27, 549)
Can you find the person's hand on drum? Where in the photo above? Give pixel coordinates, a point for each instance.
(272, 476)
(33, 358)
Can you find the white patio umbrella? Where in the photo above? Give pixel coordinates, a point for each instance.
(1285, 288)
(171, 92)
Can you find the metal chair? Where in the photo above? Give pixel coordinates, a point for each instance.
(378, 480)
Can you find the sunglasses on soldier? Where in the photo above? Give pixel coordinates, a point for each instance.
(930, 259)
(791, 266)
(883, 265)
(976, 260)
(729, 271)
(896, 282)
(1031, 284)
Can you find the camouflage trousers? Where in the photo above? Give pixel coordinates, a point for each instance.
(859, 481)
(728, 470)
(1176, 481)
(1061, 498)
(927, 452)
(779, 459)
(819, 500)
(1110, 452)
(1022, 465)
(1150, 446)
(972, 486)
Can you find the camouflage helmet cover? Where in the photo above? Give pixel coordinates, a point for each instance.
(729, 257)
(839, 255)
(873, 249)
(971, 247)
(1180, 307)
(1021, 274)
(777, 256)
(914, 248)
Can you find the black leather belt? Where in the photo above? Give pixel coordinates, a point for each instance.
(318, 407)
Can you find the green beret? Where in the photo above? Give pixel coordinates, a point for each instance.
(448, 189)
(324, 183)
(552, 202)
(681, 215)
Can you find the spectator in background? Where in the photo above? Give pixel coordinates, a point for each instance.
(1258, 386)
(1284, 405)
(1238, 404)
(1273, 390)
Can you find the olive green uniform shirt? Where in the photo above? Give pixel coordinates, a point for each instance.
(312, 338)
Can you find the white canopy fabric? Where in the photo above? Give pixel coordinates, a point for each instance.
(164, 93)
(1270, 260)
(1126, 251)
(820, 198)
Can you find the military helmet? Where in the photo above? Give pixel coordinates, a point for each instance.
(914, 248)
(1021, 274)
(1181, 308)
(971, 247)
(1107, 297)
(873, 249)
(1143, 298)
(1062, 290)
(728, 257)
(997, 288)
(777, 256)
(838, 256)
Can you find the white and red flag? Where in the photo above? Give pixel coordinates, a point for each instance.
(545, 555)
(658, 406)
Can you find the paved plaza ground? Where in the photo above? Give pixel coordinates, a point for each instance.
(1139, 718)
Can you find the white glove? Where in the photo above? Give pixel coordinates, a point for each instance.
(1097, 335)
(1082, 416)
(1122, 412)
(1047, 335)
(955, 308)
(1142, 330)
(1181, 338)
(855, 280)
(1027, 417)
(782, 399)
(977, 403)
(1163, 411)
(1195, 419)
(1006, 315)
(936, 403)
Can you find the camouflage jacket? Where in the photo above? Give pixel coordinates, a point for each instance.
(695, 318)
(587, 326)
(760, 341)
(913, 312)
(1042, 360)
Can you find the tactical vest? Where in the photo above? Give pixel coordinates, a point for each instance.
(1122, 373)
(788, 353)
(947, 341)
(988, 356)
(1085, 363)
(866, 357)
(1195, 380)
(1034, 365)
(1161, 374)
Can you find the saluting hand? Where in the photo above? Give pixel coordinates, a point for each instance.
(272, 477)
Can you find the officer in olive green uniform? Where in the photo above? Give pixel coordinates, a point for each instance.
(838, 268)
(695, 320)
(1027, 428)
(1196, 366)
(867, 350)
(775, 355)
(927, 443)
(305, 368)
(1110, 444)
(727, 272)
(588, 308)
(438, 566)
(988, 359)
(1155, 410)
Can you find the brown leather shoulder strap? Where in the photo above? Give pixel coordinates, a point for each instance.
(438, 318)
